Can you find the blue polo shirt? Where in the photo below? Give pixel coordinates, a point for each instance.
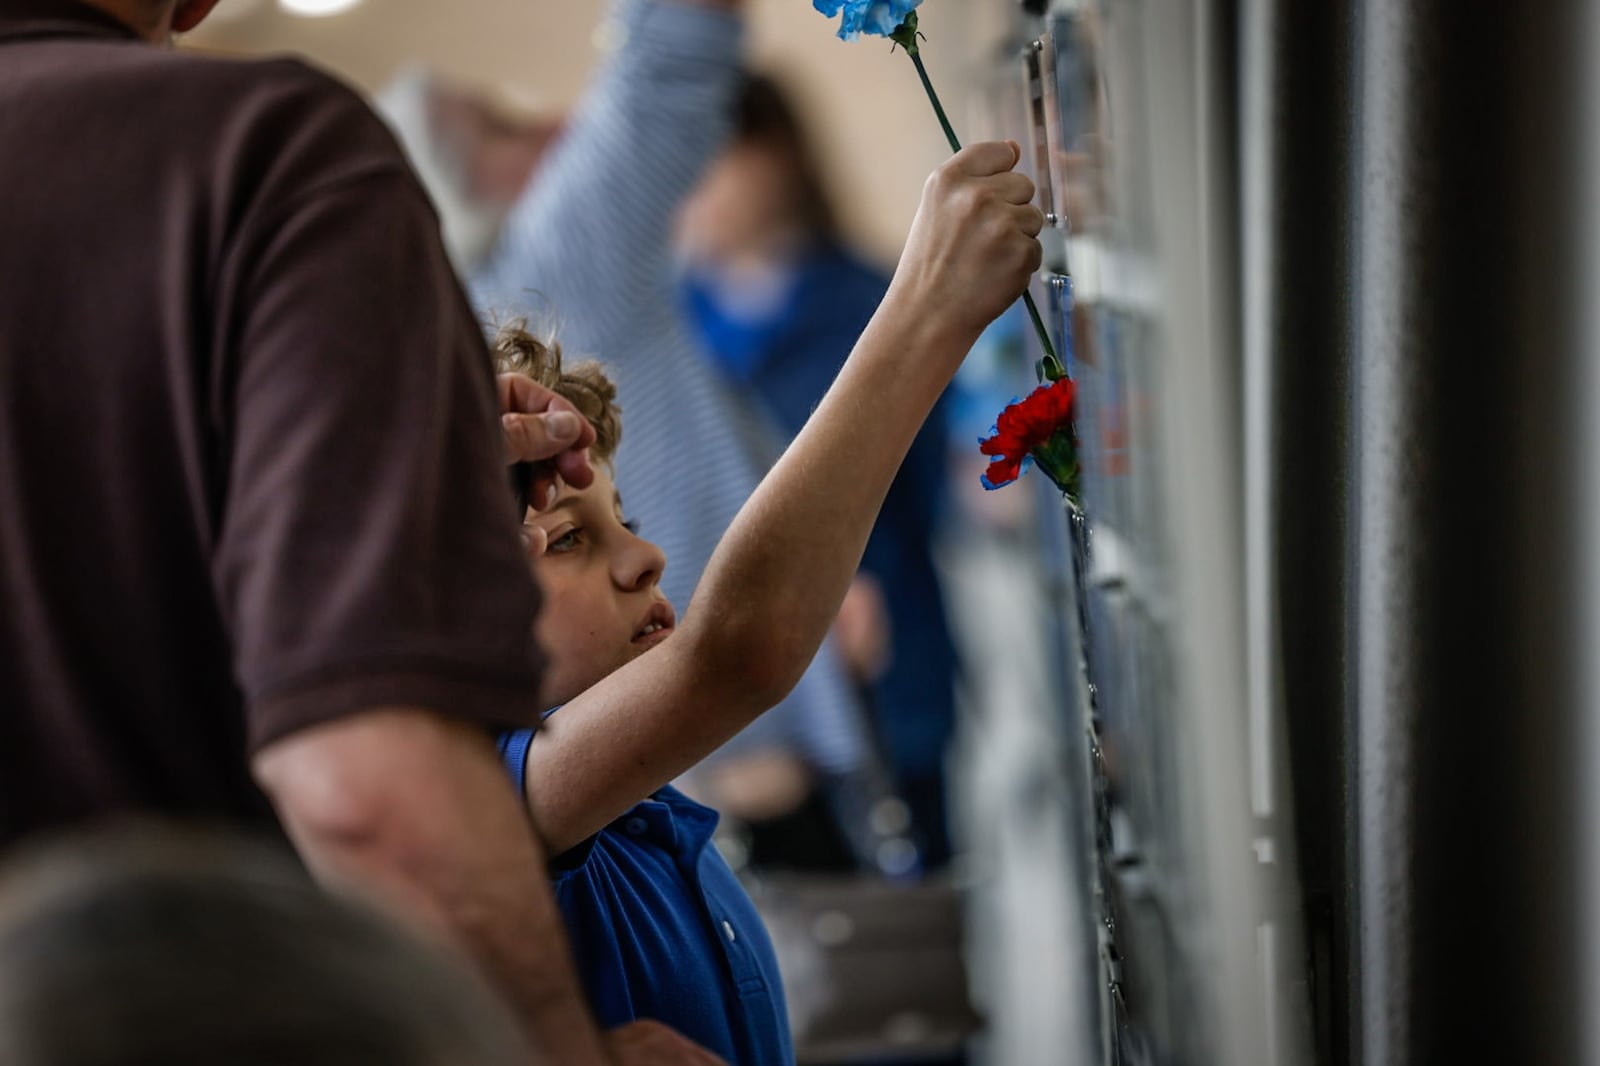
(663, 930)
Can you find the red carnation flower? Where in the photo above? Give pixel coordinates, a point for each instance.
(1030, 427)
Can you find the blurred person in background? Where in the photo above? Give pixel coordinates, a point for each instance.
(255, 534)
(150, 947)
(778, 299)
(588, 203)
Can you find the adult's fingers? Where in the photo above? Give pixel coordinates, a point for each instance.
(546, 478)
(536, 540)
(539, 426)
(574, 466)
(647, 1043)
(521, 394)
(535, 437)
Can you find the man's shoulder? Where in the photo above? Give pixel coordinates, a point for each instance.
(242, 119)
(227, 139)
(206, 79)
(284, 98)
(185, 87)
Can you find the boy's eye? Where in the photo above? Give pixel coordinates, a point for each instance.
(632, 526)
(564, 543)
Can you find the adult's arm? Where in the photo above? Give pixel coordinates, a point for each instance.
(592, 233)
(412, 809)
(366, 558)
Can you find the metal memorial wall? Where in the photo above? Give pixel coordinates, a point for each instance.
(1324, 277)
(1176, 772)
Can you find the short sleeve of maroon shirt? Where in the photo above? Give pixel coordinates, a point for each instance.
(250, 469)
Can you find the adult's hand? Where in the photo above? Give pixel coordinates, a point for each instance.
(653, 1044)
(863, 630)
(545, 430)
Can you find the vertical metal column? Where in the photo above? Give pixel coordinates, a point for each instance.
(1296, 83)
(1465, 555)
(1219, 899)
(1587, 627)
(1391, 401)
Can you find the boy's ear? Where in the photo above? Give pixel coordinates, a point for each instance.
(190, 13)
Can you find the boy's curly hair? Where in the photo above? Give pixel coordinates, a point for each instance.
(585, 385)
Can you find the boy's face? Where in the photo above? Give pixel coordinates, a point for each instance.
(602, 607)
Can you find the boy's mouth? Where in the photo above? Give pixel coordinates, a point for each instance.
(657, 624)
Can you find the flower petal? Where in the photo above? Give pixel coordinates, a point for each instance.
(879, 17)
(1036, 427)
(1000, 474)
(1002, 444)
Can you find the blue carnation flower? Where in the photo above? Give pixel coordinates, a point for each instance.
(878, 17)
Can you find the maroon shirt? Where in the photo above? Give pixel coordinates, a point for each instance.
(250, 466)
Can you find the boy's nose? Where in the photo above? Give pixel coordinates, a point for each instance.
(641, 565)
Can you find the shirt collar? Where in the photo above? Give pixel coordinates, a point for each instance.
(671, 821)
(31, 19)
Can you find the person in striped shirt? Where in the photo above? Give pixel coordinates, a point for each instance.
(589, 234)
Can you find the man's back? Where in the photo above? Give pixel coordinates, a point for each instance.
(233, 475)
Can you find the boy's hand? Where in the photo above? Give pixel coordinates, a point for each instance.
(543, 429)
(974, 244)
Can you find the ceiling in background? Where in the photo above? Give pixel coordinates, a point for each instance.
(867, 113)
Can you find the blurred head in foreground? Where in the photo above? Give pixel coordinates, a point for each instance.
(149, 947)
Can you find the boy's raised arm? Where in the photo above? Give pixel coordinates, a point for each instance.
(776, 581)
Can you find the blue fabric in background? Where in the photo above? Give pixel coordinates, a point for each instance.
(790, 358)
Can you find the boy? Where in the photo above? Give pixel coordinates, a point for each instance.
(660, 926)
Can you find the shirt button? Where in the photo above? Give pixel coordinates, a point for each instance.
(727, 927)
(636, 826)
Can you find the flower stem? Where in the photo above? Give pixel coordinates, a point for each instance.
(1053, 369)
(938, 108)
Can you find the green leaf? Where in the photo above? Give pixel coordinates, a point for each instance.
(906, 35)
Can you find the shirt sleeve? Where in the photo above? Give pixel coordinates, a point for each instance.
(367, 552)
(513, 747)
(593, 231)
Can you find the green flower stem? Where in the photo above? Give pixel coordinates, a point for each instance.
(1053, 370)
(933, 98)
(906, 36)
